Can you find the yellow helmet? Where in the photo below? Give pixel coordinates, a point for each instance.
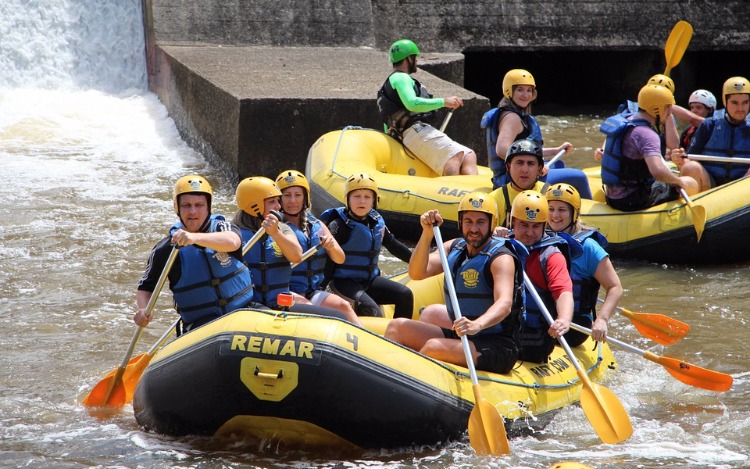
(515, 77)
(652, 99)
(360, 181)
(478, 202)
(292, 178)
(252, 191)
(662, 80)
(530, 206)
(191, 184)
(568, 194)
(734, 85)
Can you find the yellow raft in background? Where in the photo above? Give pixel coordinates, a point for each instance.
(407, 188)
(288, 380)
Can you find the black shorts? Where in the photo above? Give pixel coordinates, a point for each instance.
(497, 353)
(536, 345)
(643, 198)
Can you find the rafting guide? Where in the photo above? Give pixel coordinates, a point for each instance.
(406, 109)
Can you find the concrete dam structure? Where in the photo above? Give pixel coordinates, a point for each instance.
(252, 84)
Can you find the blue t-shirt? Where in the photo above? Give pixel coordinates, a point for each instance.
(585, 265)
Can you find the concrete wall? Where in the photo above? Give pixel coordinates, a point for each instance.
(452, 25)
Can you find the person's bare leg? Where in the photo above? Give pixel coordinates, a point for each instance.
(453, 165)
(695, 170)
(469, 163)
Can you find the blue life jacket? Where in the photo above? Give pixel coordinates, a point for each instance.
(363, 246)
(726, 140)
(628, 108)
(211, 283)
(617, 169)
(585, 286)
(308, 275)
(269, 268)
(489, 123)
(548, 245)
(474, 284)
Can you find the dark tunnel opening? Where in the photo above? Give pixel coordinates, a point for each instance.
(598, 79)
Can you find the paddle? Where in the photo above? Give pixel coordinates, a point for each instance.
(446, 120)
(135, 367)
(307, 254)
(110, 391)
(486, 427)
(554, 158)
(258, 234)
(677, 43)
(698, 211)
(602, 408)
(719, 159)
(657, 327)
(685, 372)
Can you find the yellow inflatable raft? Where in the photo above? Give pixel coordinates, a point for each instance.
(291, 380)
(407, 188)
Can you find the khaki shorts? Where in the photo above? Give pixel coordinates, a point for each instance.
(432, 146)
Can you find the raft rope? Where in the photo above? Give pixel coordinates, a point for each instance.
(458, 374)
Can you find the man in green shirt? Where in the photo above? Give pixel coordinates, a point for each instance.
(405, 106)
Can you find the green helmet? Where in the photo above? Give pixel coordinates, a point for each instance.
(402, 49)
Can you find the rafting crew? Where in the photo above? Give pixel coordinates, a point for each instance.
(590, 270)
(727, 135)
(524, 162)
(548, 268)
(361, 231)
(487, 274)
(208, 277)
(269, 258)
(702, 104)
(407, 108)
(512, 120)
(633, 170)
(308, 275)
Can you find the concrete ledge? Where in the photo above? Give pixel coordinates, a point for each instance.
(257, 110)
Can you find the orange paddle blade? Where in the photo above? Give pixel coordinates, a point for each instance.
(486, 428)
(693, 375)
(605, 411)
(109, 392)
(658, 327)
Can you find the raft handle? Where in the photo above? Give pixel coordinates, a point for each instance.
(260, 374)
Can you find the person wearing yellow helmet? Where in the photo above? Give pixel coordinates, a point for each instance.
(633, 170)
(511, 121)
(361, 231)
(588, 271)
(727, 136)
(548, 269)
(269, 258)
(407, 109)
(208, 278)
(666, 128)
(258, 201)
(307, 276)
(487, 274)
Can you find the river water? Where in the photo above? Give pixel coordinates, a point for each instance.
(87, 159)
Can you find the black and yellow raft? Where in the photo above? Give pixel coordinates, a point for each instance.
(309, 382)
(407, 188)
